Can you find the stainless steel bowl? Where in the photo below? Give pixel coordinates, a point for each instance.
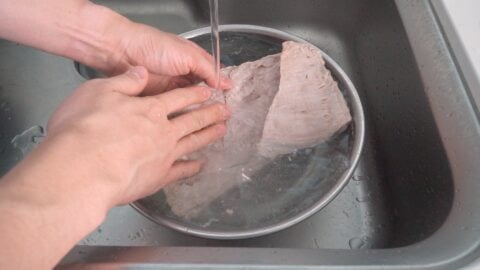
(294, 190)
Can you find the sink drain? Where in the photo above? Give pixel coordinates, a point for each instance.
(88, 72)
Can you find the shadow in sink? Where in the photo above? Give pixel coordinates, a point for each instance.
(402, 190)
(410, 151)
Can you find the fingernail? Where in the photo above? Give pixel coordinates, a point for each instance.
(222, 129)
(206, 92)
(138, 71)
(203, 161)
(227, 83)
(226, 111)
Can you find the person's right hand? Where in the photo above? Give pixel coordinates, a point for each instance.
(130, 143)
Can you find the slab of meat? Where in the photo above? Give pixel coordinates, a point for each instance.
(308, 107)
(255, 84)
(279, 104)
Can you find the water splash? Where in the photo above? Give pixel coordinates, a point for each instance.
(28, 139)
(358, 243)
(214, 21)
(359, 178)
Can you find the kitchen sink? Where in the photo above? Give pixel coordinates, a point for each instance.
(413, 199)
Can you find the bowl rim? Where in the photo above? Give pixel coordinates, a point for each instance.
(358, 142)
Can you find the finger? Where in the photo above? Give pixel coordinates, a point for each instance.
(179, 99)
(206, 55)
(159, 84)
(183, 169)
(204, 68)
(200, 139)
(130, 83)
(200, 118)
(192, 78)
(201, 50)
(181, 82)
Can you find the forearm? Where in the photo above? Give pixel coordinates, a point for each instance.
(46, 209)
(76, 29)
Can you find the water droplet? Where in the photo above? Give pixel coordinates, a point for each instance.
(362, 198)
(315, 241)
(358, 243)
(360, 178)
(37, 139)
(209, 222)
(245, 176)
(28, 139)
(89, 241)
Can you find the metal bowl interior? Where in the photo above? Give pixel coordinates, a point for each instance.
(292, 187)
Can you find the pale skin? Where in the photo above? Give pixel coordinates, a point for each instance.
(113, 140)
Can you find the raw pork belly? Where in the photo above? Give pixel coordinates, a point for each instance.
(279, 104)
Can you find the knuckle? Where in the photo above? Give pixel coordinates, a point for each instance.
(132, 76)
(155, 108)
(93, 82)
(199, 119)
(99, 83)
(184, 98)
(182, 173)
(219, 111)
(188, 170)
(181, 129)
(194, 141)
(220, 130)
(201, 93)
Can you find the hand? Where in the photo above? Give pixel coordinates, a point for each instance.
(171, 60)
(129, 143)
(104, 147)
(103, 39)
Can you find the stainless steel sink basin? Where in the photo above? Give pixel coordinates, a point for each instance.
(413, 201)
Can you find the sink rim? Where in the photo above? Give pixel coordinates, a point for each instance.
(358, 143)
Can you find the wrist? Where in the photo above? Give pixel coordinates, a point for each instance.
(48, 207)
(58, 184)
(97, 39)
(42, 211)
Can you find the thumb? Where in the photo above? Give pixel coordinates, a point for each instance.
(130, 83)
